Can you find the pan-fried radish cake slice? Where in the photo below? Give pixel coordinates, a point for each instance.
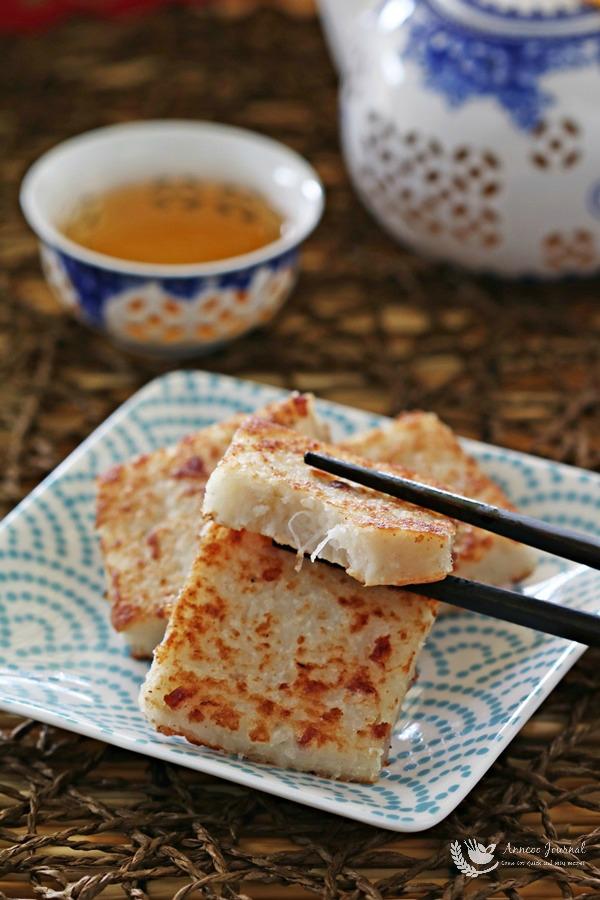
(149, 514)
(263, 484)
(421, 442)
(304, 670)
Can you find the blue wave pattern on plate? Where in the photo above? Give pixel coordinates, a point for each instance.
(479, 680)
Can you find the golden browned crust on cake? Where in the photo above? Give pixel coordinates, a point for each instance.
(422, 442)
(278, 449)
(305, 669)
(149, 514)
(263, 484)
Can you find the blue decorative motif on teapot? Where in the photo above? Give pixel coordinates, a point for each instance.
(462, 63)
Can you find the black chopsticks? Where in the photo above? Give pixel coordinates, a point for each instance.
(560, 541)
(510, 606)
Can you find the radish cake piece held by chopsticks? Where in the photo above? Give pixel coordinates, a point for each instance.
(420, 441)
(263, 485)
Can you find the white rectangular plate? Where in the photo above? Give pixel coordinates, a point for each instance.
(479, 680)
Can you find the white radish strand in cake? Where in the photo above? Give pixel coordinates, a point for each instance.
(263, 484)
(304, 670)
(149, 515)
(421, 442)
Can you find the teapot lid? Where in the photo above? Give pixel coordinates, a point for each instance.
(524, 18)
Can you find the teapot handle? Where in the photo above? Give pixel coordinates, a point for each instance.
(339, 18)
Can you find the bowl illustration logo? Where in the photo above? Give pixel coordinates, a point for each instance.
(477, 853)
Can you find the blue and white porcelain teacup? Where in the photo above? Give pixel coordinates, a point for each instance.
(174, 310)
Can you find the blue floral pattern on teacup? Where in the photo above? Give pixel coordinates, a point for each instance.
(171, 312)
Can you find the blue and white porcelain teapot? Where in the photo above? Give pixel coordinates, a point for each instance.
(471, 128)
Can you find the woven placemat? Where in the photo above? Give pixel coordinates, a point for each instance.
(370, 325)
